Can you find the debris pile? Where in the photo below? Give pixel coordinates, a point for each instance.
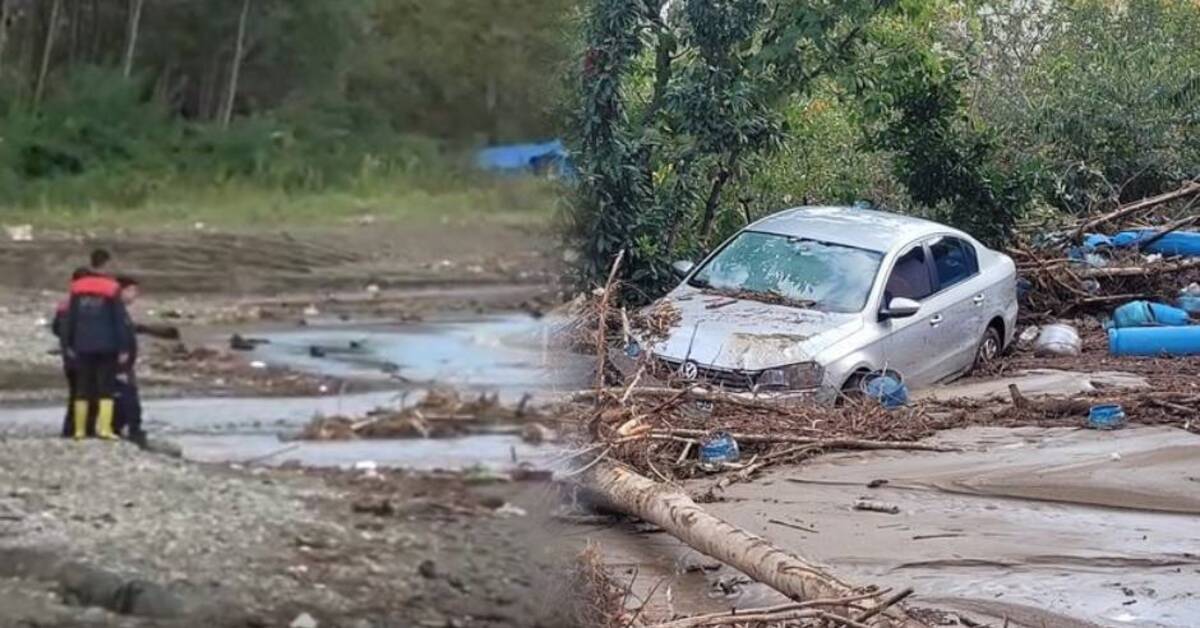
(441, 413)
(1080, 270)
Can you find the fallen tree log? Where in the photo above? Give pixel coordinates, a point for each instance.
(1135, 271)
(1137, 206)
(824, 443)
(676, 513)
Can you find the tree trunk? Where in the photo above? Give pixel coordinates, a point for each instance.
(135, 22)
(97, 28)
(5, 19)
(236, 68)
(47, 51)
(675, 512)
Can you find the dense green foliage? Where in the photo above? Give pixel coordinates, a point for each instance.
(328, 95)
(974, 112)
(678, 102)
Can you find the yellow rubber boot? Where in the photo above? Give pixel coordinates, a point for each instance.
(104, 420)
(79, 417)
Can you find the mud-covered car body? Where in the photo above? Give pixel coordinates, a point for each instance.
(810, 299)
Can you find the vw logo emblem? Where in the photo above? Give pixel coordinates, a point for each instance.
(689, 370)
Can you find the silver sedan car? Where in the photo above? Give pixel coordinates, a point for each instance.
(811, 299)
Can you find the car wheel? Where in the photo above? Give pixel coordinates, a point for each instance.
(989, 348)
(852, 389)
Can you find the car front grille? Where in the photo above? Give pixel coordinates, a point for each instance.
(726, 379)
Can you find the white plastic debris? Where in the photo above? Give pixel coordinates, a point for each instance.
(1025, 340)
(304, 620)
(366, 465)
(311, 311)
(509, 510)
(372, 289)
(1116, 457)
(19, 233)
(258, 364)
(1058, 339)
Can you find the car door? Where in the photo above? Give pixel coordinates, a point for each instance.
(960, 300)
(913, 343)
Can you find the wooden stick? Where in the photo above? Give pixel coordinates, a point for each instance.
(601, 327)
(1134, 271)
(1135, 207)
(785, 524)
(828, 443)
(891, 601)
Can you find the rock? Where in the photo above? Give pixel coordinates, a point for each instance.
(427, 569)
(304, 620)
(536, 433)
(164, 447)
(147, 599)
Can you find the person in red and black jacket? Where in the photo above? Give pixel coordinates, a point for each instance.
(97, 337)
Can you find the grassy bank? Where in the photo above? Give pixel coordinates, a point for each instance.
(248, 204)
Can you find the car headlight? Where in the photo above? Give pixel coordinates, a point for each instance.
(801, 376)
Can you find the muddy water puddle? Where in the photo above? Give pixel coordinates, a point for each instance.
(508, 355)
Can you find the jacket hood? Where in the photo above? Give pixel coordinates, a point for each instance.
(728, 333)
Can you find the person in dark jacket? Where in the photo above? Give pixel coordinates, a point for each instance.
(99, 260)
(128, 420)
(58, 327)
(96, 340)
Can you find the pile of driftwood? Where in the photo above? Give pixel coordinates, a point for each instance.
(441, 413)
(1064, 285)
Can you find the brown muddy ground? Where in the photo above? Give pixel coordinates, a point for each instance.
(210, 284)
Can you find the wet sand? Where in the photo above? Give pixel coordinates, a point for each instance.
(1054, 527)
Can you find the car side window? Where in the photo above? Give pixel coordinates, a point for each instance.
(910, 278)
(955, 260)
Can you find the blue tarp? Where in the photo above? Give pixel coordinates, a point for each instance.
(545, 157)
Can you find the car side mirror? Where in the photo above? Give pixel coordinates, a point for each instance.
(899, 307)
(683, 267)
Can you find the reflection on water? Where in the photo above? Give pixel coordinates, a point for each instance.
(510, 354)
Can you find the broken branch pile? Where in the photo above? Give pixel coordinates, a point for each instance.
(442, 413)
(1068, 278)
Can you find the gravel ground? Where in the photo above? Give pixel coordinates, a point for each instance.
(259, 547)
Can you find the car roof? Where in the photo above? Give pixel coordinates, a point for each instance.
(863, 228)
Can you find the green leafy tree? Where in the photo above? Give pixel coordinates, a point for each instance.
(677, 101)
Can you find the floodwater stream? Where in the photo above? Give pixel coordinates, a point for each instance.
(508, 355)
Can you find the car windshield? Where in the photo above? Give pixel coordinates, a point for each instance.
(791, 270)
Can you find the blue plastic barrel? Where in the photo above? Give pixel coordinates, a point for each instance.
(887, 387)
(720, 448)
(1190, 304)
(1109, 416)
(1147, 314)
(1155, 341)
(1133, 314)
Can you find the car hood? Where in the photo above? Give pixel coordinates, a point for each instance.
(728, 333)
